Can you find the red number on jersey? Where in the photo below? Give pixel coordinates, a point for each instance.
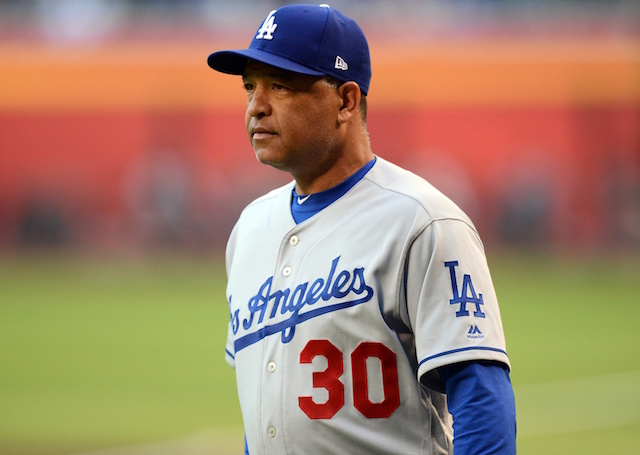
(390, 384)
(328, 379)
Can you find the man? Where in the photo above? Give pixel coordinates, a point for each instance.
(363, 315)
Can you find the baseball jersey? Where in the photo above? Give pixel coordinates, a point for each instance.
(338, 324)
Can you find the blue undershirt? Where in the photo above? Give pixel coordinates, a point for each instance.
(480, 399)
(313, 203)
(479, 395)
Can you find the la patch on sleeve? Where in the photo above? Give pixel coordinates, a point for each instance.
(466, 295)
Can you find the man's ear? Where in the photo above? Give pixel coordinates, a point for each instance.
(350, 94)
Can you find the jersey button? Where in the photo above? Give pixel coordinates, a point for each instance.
(286, 271)
(293, 241)
(271, 367)
(271, 431)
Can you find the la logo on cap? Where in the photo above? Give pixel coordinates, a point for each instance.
(268, 27)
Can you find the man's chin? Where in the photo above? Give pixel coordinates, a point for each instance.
(270, 160)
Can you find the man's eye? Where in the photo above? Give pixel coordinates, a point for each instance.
(248, 87)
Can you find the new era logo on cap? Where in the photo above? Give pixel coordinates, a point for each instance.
(306, 39)
(341, 64)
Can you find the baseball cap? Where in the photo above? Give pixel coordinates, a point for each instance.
(306, 39)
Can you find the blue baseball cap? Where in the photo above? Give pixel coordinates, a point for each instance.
(306, 39)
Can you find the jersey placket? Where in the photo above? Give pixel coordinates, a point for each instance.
(276, 395)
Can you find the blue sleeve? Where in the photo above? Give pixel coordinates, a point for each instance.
(480, 399)
(246, 447)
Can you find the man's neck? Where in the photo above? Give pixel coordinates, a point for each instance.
(337, 172)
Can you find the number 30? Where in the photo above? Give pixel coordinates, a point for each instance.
(329, 379)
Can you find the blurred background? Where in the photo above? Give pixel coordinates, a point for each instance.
(114, 133)
(124, 164)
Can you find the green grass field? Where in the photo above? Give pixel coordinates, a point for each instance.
(97, 355)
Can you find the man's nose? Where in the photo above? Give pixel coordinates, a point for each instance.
(258, 105)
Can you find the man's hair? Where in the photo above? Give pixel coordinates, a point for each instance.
(332, 81)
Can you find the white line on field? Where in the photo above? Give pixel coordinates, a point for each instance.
(579, 404)
(546, 408)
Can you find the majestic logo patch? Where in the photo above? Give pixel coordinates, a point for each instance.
(466, 295)
(474, 333)
(268, 27)
(341, 290)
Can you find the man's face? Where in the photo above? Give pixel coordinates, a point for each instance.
(291, 119)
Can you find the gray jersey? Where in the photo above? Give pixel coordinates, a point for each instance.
(338, 324)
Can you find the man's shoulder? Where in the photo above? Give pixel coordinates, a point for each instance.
(400, 184)
(264, 201)
(270, 209)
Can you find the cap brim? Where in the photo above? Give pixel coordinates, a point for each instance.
(234, 62)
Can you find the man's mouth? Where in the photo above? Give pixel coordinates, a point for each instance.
(260, 133)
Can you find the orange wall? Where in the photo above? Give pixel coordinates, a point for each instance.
(78, 124)
(168, 75)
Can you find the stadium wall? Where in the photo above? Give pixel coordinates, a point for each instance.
(141, 143)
